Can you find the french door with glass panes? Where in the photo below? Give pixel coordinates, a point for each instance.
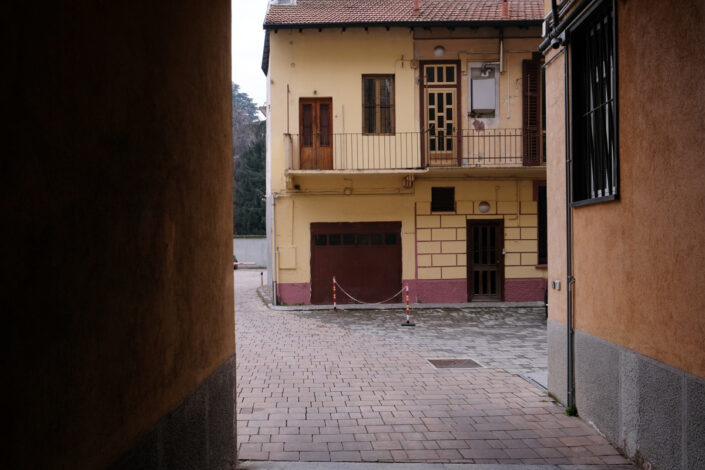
(315, 134)
(441, 113)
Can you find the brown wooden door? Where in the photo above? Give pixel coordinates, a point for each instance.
(442, 131)
(441, 118)
(485, 248)
(316, 133)
(365, 258)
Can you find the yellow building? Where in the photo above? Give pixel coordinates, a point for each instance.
(626, 331)
(405, 148)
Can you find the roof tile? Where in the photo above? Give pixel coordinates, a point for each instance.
(350, 12)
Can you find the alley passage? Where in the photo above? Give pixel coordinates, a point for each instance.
(333, 386)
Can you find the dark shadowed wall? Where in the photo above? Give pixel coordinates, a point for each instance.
(117, 203)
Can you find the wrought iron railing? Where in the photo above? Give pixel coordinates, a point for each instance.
(490, 148)
(355, 151)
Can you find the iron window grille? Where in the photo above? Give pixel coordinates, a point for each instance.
(594, 106)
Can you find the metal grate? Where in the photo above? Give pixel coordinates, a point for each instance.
(454, 363)
(595, 143)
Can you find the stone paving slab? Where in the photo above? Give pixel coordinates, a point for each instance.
(259, 465)
(319, 386)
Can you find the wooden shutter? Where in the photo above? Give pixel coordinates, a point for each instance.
(531, 111)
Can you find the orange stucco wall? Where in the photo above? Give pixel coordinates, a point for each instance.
(555, 179)
(639, 262)
(118, 208)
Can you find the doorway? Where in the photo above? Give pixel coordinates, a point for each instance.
(441, 89)
(315, 133)
(485, 252)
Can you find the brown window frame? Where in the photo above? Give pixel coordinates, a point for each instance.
(378, 106)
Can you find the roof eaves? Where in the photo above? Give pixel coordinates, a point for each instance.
(265, 54)
(403, 24)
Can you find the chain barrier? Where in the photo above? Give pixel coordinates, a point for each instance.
(335, 283)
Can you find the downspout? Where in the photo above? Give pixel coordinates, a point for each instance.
(569, 240)
(501, 50)
(554, 11)
(555, 37)
(275, 276)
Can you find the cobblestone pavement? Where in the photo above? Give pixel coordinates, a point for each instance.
(512, 340)
(354, 386)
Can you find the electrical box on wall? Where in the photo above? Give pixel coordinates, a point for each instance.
(483, 91)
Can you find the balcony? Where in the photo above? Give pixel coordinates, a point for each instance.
(413, 151)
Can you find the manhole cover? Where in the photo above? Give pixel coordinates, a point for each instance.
(454, 363)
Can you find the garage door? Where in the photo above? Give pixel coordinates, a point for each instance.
(365, 258)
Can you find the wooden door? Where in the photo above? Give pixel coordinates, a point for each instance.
(441, 116)
(316, 133)
(485, 252)
(441, 124)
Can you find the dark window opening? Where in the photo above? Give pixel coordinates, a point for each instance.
(320, 240)
(376, 238)
(442, 199)
(363, 239)
(594, 107)
(334, 239)
(390, 238)
(348, 239)
(543, 226)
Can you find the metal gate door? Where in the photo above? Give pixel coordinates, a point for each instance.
(365, 258)
(485, 251)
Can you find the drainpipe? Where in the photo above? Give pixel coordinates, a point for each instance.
(274, 250)
(554, 37)
(569, 240)
(501, 50)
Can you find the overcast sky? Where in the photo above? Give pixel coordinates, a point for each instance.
(248, 41)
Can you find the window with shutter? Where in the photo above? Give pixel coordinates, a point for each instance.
(531, 115)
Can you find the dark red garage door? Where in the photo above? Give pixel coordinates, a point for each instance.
(365, 258)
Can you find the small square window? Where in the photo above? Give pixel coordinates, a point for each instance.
(348, 239)
(320, 240)
(443, 199)
(390, 238)
(363, 239)
(376, 238)
(334, 239)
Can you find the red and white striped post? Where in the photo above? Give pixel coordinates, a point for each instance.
(335, 305)
(408, 323)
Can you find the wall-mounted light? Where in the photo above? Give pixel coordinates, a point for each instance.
(484, 207)
(439, 51)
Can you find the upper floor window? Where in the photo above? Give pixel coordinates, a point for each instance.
(440, 74)
(378, 104)
(594, 107)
